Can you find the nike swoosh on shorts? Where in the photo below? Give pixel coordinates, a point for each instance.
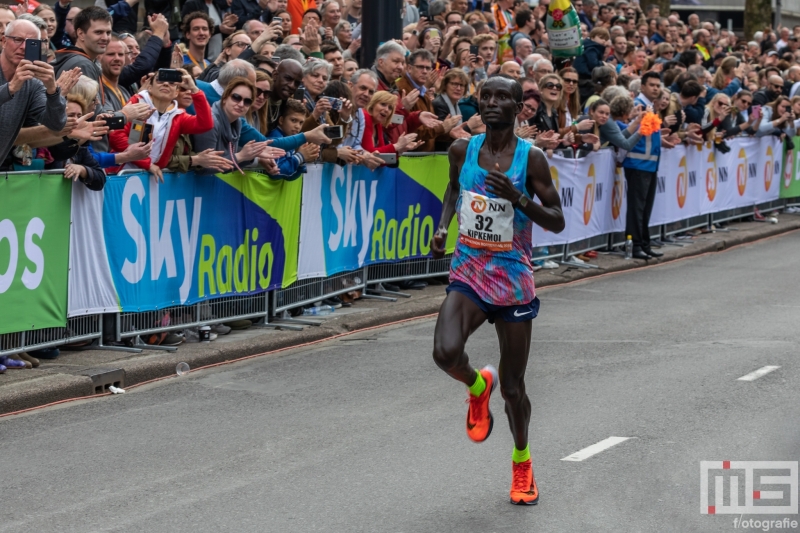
(517, 313)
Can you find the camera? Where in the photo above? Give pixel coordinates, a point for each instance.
(336, 103)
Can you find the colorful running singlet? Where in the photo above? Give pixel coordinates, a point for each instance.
(498, 277)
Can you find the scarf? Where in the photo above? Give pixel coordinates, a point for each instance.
(161, 123)
(454, 110)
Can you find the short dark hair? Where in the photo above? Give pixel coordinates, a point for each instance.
(691, 89)
(317, 12)
(522, 18)
(293, 106)
(327, 48)
(86, 16)
(516, 88)
(420, 53)
(258, 59)
(650, 74)
(191, 17)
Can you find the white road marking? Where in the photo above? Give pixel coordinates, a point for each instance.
(755, 374)
(594, 449)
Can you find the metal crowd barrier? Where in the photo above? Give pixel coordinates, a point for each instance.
(273, 305)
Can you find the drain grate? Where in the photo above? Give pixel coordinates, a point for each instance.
(103, 378)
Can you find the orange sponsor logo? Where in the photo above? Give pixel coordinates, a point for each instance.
(616, 194)
(682, 187)
(478, 205)
(554, 176)
(741, 172)
(787, 171)
(768, 168)
(588, 197)
(711, 178)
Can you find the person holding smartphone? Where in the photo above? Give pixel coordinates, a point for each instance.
(168, 123)
(28, 90)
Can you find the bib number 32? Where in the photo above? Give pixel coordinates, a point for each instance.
(486, 223)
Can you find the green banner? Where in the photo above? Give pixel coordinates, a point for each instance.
(790, 181)
(34, 251)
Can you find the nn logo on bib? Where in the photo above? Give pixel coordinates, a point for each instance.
(478, 205)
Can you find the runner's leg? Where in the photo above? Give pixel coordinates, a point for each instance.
(458, 318)
(515, 342)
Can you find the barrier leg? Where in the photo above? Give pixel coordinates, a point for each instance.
(139, 343)
(98, 344)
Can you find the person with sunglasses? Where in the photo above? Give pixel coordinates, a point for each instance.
(236, 43)
(168, 122)
(224, 136)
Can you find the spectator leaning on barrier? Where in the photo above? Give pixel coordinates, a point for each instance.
(73, 155)
(29, 93)
(168, 122)
(378, 117)
(92, 33)
(228, 113)
(292, 164)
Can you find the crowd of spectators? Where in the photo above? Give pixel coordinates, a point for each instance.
(221, 85)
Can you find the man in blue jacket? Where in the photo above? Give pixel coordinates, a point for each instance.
(641, 173)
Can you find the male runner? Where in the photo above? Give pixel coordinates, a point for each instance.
(491, 277)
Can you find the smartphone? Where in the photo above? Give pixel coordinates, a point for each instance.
(140, 132)
(169, 75)
(300, 93)
(756, 111)
(397, 119)
(423, 14)
(333, 132)
(33, 49)
(115, 122)
(389, 159)
(473, 50)
(279, 20)
(433, 34)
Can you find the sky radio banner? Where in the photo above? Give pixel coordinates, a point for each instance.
(353, 216)
(790, 184)
(196, 237)
(34, 251)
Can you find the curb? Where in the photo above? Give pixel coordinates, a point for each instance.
(57, 387)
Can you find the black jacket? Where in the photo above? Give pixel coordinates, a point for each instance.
(764, 96)
(70, 149)
(245, 10)
(129, 23)
(151, 58)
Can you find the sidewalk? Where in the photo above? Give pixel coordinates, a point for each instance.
(67, 376)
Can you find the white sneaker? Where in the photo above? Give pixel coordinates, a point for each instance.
(549, 265)
(537, 268)
(576, 259)
(791, 210)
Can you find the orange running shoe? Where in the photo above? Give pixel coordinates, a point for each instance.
(479, 418)
(523, 486)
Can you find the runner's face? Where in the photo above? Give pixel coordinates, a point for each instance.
(497, 105)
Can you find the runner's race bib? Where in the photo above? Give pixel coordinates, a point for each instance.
(486, 223)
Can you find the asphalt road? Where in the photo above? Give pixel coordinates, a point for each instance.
(366, 434)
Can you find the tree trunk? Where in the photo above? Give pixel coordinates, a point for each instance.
(757, 16)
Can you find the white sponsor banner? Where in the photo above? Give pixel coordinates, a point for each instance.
(592, 196)
(91, 287)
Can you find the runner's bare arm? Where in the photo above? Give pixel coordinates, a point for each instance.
(540, 183)
(456, 155)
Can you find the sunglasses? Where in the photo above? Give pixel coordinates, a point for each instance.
(746, 102)
(550, 85)
(123, 36)
(238, 98)
(570, 81)
(263, 92)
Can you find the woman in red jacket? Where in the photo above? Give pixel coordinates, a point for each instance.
(377, 118)
(169, 122)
